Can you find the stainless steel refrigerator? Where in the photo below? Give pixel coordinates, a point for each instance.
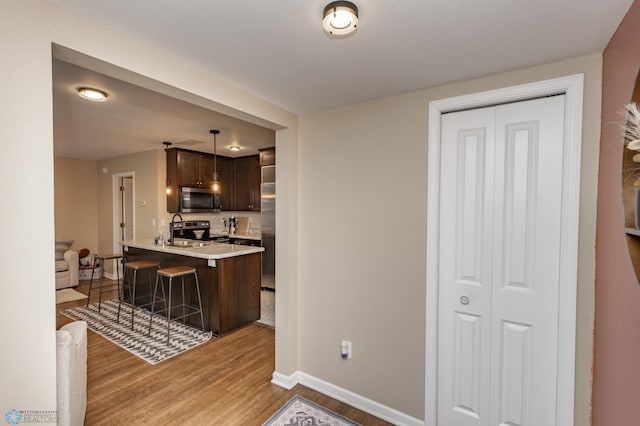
(268, 226)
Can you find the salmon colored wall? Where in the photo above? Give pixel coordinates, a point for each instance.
(616, 388)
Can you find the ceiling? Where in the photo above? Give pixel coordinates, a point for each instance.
(278, 51)
(134, 119)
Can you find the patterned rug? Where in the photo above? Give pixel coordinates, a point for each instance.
(302, 412)
(152, 348)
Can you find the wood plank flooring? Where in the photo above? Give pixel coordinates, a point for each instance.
(226, 381)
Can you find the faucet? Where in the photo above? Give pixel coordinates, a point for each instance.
(171, 228)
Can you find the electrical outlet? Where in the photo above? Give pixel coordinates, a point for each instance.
(345, 349)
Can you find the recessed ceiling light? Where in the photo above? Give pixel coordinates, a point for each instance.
(340, 19)
(234, 148)
(90, 94)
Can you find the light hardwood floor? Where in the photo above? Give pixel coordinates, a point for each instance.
(223, 382)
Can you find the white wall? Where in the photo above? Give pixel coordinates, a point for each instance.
(27, 30)
(76, 202)
(27, 333)
(367, 285)
(363, 234)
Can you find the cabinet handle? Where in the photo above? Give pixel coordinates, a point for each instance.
(464, 300)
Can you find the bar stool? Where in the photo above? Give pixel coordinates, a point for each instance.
(171, 273)
(110, 287)
(134, 267)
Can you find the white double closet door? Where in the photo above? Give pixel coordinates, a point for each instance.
(499, 261)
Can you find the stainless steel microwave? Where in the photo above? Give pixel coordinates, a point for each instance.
(199, 200)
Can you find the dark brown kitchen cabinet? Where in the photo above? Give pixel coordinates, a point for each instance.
(226, 178)
(186, 168)
(194, 168)
(247, 183)
(268, 157)
(239, 178)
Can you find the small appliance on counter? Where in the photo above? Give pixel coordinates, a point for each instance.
(243, 225)
(233, 225)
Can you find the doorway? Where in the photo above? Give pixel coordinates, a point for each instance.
(481, 363)
(124, 212)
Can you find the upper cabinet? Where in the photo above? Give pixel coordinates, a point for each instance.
(247, 183)
(194, 168)
(238, 177)
(268, 157)
(225, 176)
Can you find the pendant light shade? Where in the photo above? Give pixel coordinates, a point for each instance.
(340, 19)
(169, 188)
(215, 187)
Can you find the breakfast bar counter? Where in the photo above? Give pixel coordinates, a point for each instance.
(229, 278)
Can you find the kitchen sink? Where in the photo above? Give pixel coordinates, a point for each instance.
(182, 244)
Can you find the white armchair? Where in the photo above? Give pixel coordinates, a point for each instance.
(71, 373)
(67, 265)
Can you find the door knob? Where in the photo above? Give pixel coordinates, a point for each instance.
(464, 300)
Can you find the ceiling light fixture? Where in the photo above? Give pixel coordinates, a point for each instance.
(340, 19)
(215, 186)
(234, 148)
(90, 94)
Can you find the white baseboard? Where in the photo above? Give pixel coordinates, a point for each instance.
(358, 401)
(287, 382)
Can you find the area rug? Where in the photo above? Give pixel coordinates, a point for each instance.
(300, 411)
(151, 348)
(68, 295)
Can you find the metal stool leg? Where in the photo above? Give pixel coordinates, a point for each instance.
(188, 309)
(169, 311)
(195, 275)
(184, 311)
(95, 265)
(133, 296)
(153, 302)
(93, 271)
(125, 275)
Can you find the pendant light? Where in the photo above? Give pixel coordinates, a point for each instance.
(168, 188)
(216, 184)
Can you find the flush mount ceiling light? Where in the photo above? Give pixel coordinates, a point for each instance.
(234, 148)
(90, 94)
(340, 19)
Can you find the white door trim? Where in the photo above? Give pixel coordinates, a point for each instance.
(572, 87)
(116, 200)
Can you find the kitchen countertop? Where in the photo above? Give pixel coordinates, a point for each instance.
(245, 235)
(210, 251)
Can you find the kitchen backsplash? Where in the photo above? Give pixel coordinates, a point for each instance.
(214, 218)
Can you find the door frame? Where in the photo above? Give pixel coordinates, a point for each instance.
(572, 87)
(117, 210)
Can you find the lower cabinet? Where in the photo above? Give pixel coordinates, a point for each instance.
(245, 242)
